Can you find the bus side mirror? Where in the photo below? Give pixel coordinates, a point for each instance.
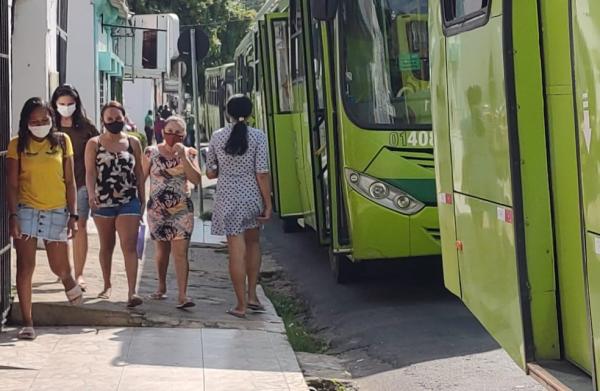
(324, 10)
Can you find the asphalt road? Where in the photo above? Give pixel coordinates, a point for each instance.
(396, 328)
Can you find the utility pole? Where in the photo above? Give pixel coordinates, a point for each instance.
(194, 63)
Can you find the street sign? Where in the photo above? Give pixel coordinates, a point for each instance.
(202, 43)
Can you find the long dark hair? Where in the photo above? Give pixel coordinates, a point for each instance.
(239, 107)
(79, 116)
(29, 107)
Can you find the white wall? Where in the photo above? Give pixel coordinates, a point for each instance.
(32, 53)
(81, 56)
(138, 98)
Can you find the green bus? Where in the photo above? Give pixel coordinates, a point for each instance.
(218, 87)
(516, 122)
(348, 114)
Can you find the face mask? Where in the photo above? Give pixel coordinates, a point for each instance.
(66, 111)
(40, 131)
(172, 139)
(115, 127)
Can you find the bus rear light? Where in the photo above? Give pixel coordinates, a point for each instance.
(382, 193)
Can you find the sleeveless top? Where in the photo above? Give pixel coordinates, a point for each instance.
(116, 183)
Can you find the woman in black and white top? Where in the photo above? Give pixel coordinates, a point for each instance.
(114, 180)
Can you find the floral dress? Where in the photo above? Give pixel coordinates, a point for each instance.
(238, 200)
(170, 208)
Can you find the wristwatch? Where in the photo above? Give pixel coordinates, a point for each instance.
(74, 216)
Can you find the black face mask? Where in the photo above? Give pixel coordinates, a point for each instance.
(115, 127)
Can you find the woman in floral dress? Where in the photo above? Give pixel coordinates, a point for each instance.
(238, 155)
(171, 167)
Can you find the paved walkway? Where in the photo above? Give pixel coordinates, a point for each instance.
(201, 348)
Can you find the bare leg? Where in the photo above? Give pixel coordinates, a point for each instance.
(58, 259)
(253, 262)
(163, 248)
(26, 249)
(182, 267)
(237, 270)
(127, 227)
(106, 232)
(80, 250)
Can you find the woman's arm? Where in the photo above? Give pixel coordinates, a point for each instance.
(12, 191)
(139, 172)
(190, 166)
(71, 188)
(264, 183)
(146, 163)
(91, 172)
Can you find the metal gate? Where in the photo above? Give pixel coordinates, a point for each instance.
(5, 282)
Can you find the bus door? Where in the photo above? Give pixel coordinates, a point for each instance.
(496, 209)
(318, 134)
(586, 23)
(279, 116)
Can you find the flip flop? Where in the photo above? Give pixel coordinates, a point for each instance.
(26, 333)
(233, 312)
(83, 285)
(188, 304)
(134, 301)
(158, 296)
(75, 295)
(258, 307)
(105, 294)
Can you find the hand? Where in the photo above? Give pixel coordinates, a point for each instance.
(179, 149)
(266, 216)
(93, 201)
(71, 227)
(14, 227)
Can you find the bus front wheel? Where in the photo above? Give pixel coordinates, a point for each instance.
(343, 269)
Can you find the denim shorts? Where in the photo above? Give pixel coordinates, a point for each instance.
(132, 208)
(48, 225)
(83, 203)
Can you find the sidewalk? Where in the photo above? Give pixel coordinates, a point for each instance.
(201, 348)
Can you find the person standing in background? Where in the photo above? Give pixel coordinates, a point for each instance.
(148, 127)
(159, 124)
(70, 119)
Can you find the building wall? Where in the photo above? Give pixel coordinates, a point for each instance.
(32, 51)
(138, 98)
(81, 63)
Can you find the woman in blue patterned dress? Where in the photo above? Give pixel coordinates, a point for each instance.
(238, 156)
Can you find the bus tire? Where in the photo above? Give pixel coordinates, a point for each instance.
(290, 225)
(342, 268)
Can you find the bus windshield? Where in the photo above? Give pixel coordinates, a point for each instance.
(386, 63)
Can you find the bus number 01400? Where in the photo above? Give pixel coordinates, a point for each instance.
(412, 139)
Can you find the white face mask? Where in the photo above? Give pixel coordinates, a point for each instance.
(41, 131)
(66, 110)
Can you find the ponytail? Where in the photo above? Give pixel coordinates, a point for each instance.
(240, 108)
(238, 139)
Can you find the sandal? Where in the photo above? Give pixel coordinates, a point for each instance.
(26, 333)
(188, 303)
(75, 295)
(134, 301)
(258, 307)
(159, 296)
(83, 285)
(233, 312)
(105, 294)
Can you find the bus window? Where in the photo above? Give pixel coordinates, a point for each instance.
(459, 10)
(281, 63)
(386, 63)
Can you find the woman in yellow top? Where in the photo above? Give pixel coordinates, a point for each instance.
(41, 201)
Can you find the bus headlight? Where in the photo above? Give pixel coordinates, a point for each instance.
(383, 194)
(378, 190)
